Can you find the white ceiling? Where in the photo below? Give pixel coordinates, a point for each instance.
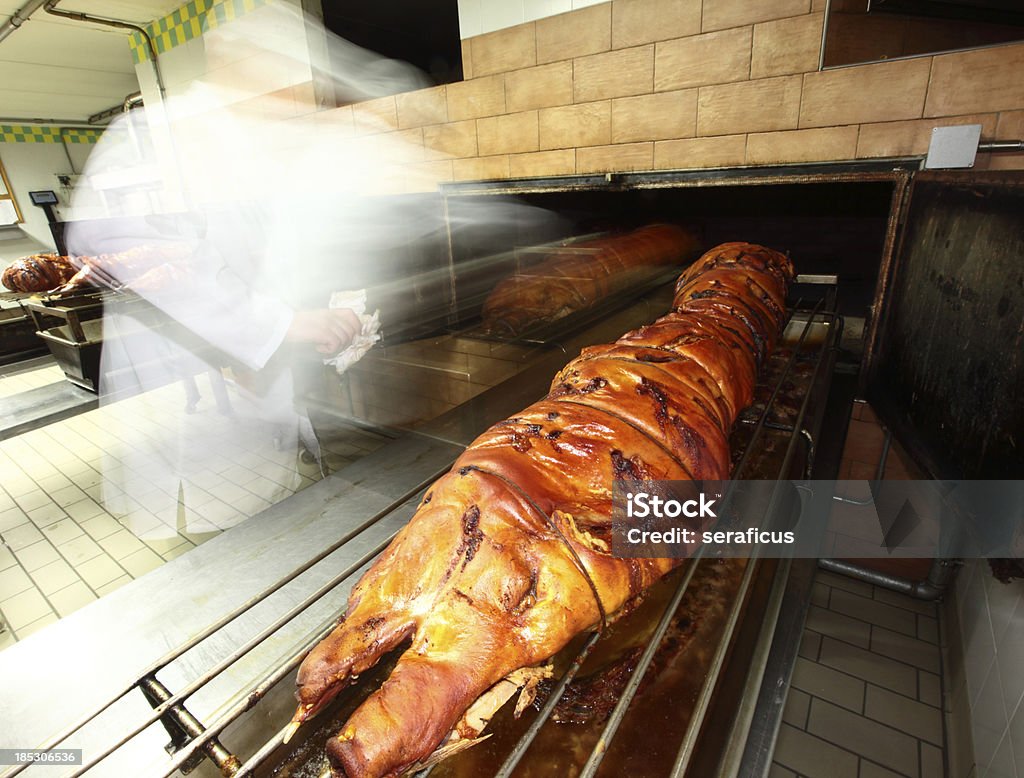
(57, 68)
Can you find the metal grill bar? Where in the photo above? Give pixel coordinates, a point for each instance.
(524, 742)
(245, 648)
(710, 680)
(638, 674)
(690, 737)
(255, 693)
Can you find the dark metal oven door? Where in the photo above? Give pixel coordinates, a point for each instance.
(947, 374)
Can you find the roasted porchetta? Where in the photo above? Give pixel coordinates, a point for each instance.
(572, 278)
(508, 555)
(38, 273)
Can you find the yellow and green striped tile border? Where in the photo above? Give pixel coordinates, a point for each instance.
(32, 133)
(188, 22)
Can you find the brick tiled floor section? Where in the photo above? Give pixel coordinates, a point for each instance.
(865, 698)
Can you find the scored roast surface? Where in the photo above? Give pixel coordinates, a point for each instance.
(508, 555)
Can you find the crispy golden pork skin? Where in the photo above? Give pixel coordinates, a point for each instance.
(575, 277)
(507, 557)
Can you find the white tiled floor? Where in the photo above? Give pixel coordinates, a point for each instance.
(84, 510)
(865, 699)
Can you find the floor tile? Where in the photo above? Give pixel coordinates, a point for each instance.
(839, 626)
(931, 760)
(929, 689)
(62, 531)
(865, 609)
(141, 562)
(810, 645)
(821, 681)
(177, 551)
(37, 555)
(928, 630)
(84, 510)
(871, 770)
(13, 581)
(101, 526)
(879, 670)
(891, 749)
(46, 515)
(906, 649)
(21, 536)
(812, 757)
(24, 608)
(37, 625)
(80, 549)
(113, 586)
(778, 771)
(915, 718)
(798, 704)
(7, 558)
(54, 576)
(11, 518)
(120, 544)
(71, 598)
(99, 570)
(32, 500)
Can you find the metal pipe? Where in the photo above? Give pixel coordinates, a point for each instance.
(45, 122)
(1001, 145)
(930, 589)
(129, 102)
(78, 16)
(19, 17)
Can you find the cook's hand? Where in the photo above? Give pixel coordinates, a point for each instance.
(328, 329)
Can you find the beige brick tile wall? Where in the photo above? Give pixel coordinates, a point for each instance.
(614, 74)
(713, 58)
(585, 124)
(720, 14)
(574, 34)
(513, 132)
(540, 87)
(817, 145)
(635, 22)
(455, 139)
(476, 98)
(894, 139)
(380, 115)
(670, 84)
(885, 91)
(425, 106)
(721, 151)
(481, 168)
(786, 46)
(560, 162)
(622, 157)
(655, 117)
(977, 81)
(749, 106)
(509, 49)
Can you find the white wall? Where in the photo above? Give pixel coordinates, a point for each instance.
(991, 684)
(479, 16)
(32, 166)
